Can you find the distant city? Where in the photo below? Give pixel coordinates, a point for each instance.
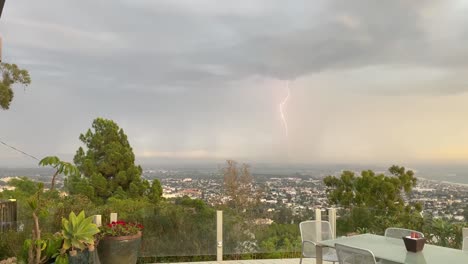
(299, 188)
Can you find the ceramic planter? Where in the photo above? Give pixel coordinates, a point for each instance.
(119, 250)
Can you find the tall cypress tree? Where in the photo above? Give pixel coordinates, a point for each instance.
(108, 165)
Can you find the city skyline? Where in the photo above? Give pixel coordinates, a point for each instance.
(203, 82)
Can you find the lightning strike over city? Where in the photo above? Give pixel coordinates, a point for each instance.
(281, 108)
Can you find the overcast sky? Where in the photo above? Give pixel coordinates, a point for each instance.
(371, 81)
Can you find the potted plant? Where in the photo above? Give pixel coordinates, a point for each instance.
(119, 243)
(78, 234)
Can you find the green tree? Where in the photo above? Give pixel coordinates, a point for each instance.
(24, 187)
(61, 167)
(11, 74)
(375, 201)
(108, 166)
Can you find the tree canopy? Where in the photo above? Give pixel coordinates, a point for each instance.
(238, 186)
(108, 166)
(375, 200)
(377, 191)
(11, 74)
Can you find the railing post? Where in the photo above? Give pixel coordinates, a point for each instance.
(97, 219)
(465, 231)
(332, 220)
(219, 235)
(113, 217)
(318, 224)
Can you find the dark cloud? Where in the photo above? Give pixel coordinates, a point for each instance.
(170, 44)
(180, 69)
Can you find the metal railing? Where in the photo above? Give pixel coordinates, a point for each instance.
(229, 236)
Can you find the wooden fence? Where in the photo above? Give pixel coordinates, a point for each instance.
(8, 215)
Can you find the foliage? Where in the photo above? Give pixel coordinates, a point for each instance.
(443, 232)
(53, 245)
(284, 215)
(36, 244)
(61, 167)
(108, 166)
(78, 232)
(41, 246)
(183, 227)
(363, 230)
(239, 236)
(130, 209)
(11, 74)
(31, 201)
(379, 192)
(440, 232)
(11, 242)
(279, 239)
(63, 206)
(121, 228)
(375, 201)
(238, 187)
(24, 188)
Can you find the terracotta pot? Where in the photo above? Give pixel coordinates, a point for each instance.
(119, 250)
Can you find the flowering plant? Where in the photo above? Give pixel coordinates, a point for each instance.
(120, 228)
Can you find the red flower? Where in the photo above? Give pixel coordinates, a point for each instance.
(121, 228)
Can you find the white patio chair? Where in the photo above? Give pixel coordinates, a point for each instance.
(352, 255)
(313, 232)
(396, 232)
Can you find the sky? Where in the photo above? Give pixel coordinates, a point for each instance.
(197, 81)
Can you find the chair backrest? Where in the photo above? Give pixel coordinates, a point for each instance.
(396, 232)
(353, 255)
(314, 231)
(465, 244)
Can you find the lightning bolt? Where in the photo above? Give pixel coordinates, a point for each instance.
(281, 108)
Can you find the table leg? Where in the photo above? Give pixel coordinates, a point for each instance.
(318, 254)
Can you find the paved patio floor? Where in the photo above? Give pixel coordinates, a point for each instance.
(259, 261)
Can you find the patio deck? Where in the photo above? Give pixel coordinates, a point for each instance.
(259, 261)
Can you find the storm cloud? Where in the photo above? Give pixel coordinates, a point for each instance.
(203, 79)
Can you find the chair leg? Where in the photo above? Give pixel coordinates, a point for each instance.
(302, 252)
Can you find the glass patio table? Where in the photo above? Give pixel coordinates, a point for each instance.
(394, 250)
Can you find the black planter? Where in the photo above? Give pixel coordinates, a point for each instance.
(81, 257)
(119, 250)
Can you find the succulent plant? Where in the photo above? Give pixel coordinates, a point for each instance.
(78, 232)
